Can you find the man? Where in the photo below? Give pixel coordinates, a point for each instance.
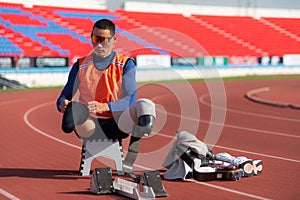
(105, 84)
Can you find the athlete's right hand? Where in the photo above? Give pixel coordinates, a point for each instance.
(63, 105)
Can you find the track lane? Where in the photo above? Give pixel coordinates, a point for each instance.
(53, 166)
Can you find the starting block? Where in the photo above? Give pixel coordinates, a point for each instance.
(153, 180)
(101, 181)
(149, 185)
(133, 190)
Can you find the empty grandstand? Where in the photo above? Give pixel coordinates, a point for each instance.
(238, 32)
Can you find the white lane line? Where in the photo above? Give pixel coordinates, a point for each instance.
(228, 190)
(240, 150)
(8, 195)
(163, 135)
(259, 154)
(202, 97)
(42, 132)
(255, 130)
(77, 147)
(236, 127)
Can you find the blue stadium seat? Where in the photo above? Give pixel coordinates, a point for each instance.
(8, 46)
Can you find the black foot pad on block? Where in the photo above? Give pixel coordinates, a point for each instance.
(101, 181)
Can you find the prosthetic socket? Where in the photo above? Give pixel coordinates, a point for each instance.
(75, 114)
(142, 129)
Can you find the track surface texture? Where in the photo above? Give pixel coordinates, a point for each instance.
(39, 161)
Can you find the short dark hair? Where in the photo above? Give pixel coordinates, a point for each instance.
(105, 24)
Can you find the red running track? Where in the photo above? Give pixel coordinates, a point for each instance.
(39, 161)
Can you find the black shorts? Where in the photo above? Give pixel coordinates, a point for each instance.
(109, 129)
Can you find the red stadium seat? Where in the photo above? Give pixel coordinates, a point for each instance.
(147, 33)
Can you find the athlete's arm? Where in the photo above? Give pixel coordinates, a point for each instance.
(70, 87)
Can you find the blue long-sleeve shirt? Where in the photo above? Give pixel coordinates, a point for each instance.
(128, 87)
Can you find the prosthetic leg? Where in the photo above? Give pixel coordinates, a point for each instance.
(75, 114)
(151, 179)
(142, 129)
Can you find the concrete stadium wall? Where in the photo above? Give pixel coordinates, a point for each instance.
(58, 77)
(187, 9)
(88, 4)
(255, 8)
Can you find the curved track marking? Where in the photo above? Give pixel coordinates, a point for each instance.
(201, 99)
(259, 131)
(228, 190)
(163, 135)
(260, 154)
(237, 127)
(77, 147)
(8, 195)
(42, 132)
(243, 151)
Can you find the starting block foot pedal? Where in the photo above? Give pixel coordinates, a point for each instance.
(133, 190)
(153, 180)
(101, 181)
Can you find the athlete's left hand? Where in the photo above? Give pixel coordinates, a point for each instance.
(97, 107)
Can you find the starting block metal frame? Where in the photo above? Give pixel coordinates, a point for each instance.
(92, 149)
(147, 187)
(133, 190)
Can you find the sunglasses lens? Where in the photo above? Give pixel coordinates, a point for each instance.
(100, 39)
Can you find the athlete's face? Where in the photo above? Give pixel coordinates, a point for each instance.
(103, 42)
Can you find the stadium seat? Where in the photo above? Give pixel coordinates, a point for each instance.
(62, 30)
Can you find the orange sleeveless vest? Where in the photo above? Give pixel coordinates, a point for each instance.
(102, 86)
